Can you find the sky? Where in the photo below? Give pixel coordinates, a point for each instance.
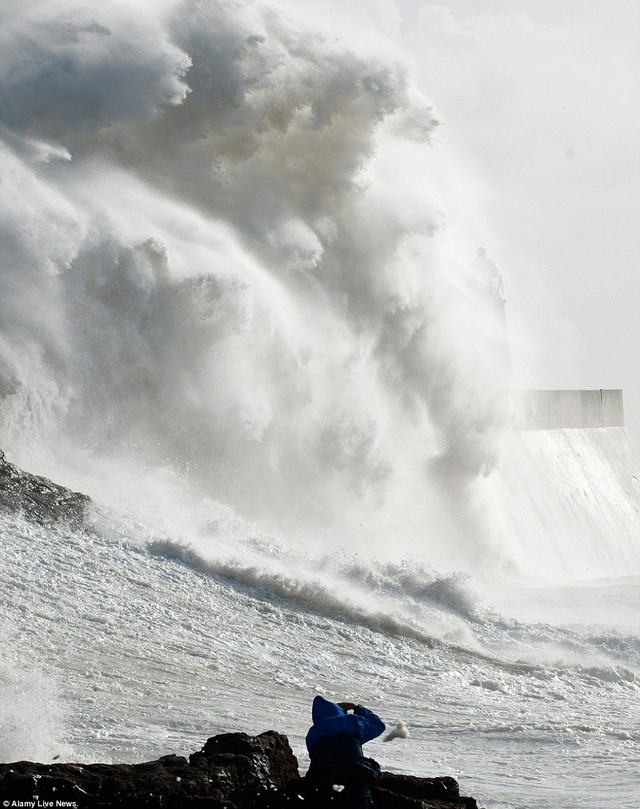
(539, 103)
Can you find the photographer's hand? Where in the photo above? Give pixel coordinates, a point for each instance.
(347, 706)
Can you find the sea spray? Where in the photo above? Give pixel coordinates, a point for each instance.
(33, 716)
(221, 260)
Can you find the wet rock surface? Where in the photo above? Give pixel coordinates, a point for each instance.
(410, 792)
(232, 771)
(39, 500)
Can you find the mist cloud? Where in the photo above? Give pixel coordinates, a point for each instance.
(220, 256)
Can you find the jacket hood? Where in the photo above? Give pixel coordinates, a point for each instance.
(324, 709)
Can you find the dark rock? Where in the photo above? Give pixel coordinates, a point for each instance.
(395, 791)
(401, 793)
(248, 770)
(39, 500)
(232, 771)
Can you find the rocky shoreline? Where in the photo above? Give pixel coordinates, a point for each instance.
(232, 771)
(39, 500)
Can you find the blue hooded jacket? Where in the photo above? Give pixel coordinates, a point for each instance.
(329, 719)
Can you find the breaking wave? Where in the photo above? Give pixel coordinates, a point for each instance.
(224, 259)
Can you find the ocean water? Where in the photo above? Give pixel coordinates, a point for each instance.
(235, 314)
(122, 645)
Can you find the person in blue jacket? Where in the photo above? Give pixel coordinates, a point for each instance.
(339, 774)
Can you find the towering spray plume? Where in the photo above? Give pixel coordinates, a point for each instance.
(220, 256)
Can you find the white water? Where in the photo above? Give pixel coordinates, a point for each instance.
(125, 647)
(231, 310)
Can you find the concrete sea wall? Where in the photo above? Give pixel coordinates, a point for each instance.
(572, 409)
(569, 485)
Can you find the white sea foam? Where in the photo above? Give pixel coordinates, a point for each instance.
(164, 648)
(400, 731)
